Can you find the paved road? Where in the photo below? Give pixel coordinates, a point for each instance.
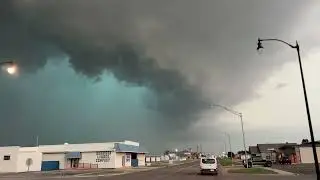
(191, 172)
(182, 172)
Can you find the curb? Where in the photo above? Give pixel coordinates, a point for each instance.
(280, 172)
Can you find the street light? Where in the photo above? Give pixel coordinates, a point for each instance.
(296, 46)
(229, 140)
(241, 120)
(11, 67)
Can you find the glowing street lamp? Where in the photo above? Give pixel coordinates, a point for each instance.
(12, 70)
(10, 67)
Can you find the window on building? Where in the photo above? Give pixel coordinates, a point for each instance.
(6, 158)
(128, 157)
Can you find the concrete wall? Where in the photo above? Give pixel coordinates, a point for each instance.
(9, 165)
(93, 158)
(36, 161)
(90, 147)
(55, 157)
(141, 159)
(119, 159)
(306, 154)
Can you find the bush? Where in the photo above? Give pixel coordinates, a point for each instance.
(225, 161)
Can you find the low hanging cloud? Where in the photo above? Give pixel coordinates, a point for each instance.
(44, 29)
(188, 53)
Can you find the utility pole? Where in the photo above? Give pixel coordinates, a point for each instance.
(37, 141)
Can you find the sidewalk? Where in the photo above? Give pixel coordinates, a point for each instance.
(224, 171)
(280, 172)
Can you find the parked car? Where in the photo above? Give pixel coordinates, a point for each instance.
(257, 161)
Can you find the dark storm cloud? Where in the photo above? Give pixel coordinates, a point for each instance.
(188, 52)
(95, 39)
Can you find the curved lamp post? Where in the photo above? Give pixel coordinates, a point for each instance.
(296, 46)
(241, 120)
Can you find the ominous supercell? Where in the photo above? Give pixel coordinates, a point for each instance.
(187, 53)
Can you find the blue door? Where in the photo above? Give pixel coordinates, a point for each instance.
(134, 162)
(49, 165)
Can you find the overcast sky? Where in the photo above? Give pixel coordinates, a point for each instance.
(149, 70)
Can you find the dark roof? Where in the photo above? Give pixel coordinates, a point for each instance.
(71, 155)
(286, 146)
(264, 148)
(119, 147)
(253, 150)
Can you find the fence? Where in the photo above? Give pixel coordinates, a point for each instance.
(82, 166)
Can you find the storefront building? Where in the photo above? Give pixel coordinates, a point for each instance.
(71, 156)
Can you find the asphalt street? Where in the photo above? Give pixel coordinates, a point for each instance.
(191, 172)
(188, 171)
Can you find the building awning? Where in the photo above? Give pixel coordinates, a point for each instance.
(128, 148)
(73, 155)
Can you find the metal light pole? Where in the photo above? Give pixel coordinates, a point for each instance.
(229, 140)
(315, 156)
(242, 128)
(230, 149)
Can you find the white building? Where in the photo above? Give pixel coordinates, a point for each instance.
(69, 156)
(305, 153)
